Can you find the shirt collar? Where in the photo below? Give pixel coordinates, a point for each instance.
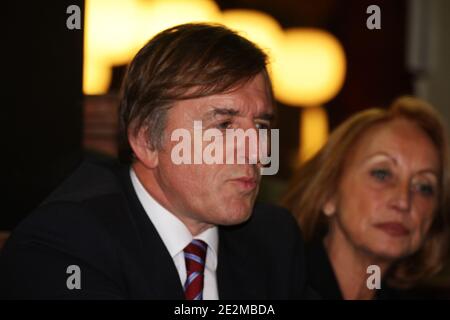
(174, 234)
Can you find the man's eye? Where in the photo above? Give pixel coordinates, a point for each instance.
(380, 174)
(224, 125)
(262, 126)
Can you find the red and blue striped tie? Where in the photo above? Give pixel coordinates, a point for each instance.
(194, 256)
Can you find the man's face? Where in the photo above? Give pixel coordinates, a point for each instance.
(214, 194)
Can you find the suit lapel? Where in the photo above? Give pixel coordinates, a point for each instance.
(163, 279)
(238, 274)
(162, 276)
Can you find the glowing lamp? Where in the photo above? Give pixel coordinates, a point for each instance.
(258, 27)
(310, 70)
(117, 29)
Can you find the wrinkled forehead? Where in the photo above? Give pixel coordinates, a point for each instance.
(256, 91)
(250, 98)
(256, 87)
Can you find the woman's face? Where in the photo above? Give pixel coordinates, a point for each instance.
(388, 191)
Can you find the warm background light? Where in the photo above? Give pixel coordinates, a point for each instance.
(258, 27)
(157, 15)
(308, 64)
(310, 68)
(117, 29)
(109, 40)
(313, 131)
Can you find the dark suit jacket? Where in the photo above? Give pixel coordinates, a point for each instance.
(95, 221)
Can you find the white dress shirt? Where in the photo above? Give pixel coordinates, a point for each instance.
(176, 236)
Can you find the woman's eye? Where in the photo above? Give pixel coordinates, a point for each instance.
(380, 174)
(425, 189)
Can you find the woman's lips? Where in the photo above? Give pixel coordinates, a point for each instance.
(394, 229)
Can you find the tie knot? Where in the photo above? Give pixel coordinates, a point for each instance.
(195, 254)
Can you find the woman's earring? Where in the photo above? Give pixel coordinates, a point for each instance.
(328, 209)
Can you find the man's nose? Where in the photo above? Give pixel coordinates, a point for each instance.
(251, 144)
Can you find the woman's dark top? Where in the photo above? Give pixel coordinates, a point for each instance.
(323, 281)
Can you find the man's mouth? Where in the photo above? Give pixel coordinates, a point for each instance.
(246, 183)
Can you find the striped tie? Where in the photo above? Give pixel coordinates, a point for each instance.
(194, 255)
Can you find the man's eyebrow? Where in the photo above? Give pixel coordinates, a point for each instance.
(216, 111)
(269, 116)
(266, 116)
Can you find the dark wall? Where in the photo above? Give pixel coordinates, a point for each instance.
(376, 70)
(42, 96)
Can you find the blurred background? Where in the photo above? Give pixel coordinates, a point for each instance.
(329, 59)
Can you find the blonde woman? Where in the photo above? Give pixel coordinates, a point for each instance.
(376, 194)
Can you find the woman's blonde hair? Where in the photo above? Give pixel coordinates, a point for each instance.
(317, 180)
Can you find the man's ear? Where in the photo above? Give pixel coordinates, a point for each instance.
(140, 144)
(329, 207)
